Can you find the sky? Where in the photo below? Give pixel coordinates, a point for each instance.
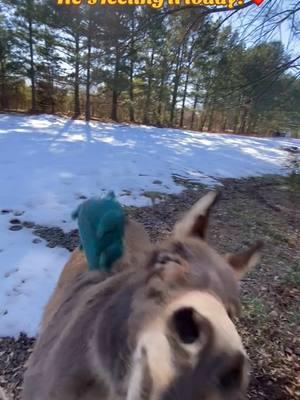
(247, 20)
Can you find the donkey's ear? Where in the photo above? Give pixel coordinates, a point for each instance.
(195, 221)
(246, 260)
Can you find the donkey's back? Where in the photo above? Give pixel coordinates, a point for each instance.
(90, 321)
(84, 306)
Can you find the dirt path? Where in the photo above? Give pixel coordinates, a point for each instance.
(261, 208)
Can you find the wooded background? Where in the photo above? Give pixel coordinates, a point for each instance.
(179, 67)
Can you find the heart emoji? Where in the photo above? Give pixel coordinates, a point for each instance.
(257, 2)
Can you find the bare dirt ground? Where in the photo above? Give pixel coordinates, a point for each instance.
(259, 208)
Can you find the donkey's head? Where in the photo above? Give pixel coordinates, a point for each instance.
(186, 345)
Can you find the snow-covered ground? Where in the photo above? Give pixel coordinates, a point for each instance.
(47, 163)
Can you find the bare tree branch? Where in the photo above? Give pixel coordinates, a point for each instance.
(206, 10)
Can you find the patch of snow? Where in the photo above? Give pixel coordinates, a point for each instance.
(47, 163)
(28, 275)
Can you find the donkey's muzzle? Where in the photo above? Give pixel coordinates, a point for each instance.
(210, 359)
(221, 377)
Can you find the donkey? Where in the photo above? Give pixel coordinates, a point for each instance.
(158, 329)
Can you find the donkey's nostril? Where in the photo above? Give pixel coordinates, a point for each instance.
(233, 374)
(185, 325)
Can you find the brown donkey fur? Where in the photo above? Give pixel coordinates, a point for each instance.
(160, 328)
(136, 241)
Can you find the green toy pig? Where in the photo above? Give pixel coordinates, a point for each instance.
(101, 224)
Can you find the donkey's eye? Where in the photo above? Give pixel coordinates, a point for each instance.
(186, 326)
(165, 258)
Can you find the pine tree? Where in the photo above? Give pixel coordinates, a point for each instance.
(26, 24)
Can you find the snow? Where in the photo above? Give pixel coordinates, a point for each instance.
(28, 274)
(47, 163)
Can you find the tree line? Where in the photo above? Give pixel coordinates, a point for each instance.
(180, 69)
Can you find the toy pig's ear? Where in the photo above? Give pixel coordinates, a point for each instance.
(110, 195)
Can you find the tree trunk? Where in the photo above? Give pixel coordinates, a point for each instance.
(184, 99)
(115, 94)
(196, 99)
(236, 120)
(203, 119)
(32, 66)
(3, 97)
(131, 93)
(186, 85)
(210, 119)
(76, 79)
(245, 111)
(161, 93)
(114, 110)
(224, 124)
(204, 113)
(149, 90)
(176, 86)
(88, 71)
(251, 125)
(194, 110)
(51, 78)
(131, 88)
